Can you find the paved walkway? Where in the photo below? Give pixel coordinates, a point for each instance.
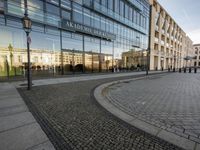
(167, 106)
(18, 128)
(81, 78)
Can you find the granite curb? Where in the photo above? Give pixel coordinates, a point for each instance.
(99, 95)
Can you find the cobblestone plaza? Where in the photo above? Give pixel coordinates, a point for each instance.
(75, 120)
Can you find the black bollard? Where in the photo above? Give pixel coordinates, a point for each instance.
(195, 70)
(168, 69)
(184, 70)
(179, 70)
(190, 70)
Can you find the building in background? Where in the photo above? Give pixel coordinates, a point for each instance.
(196, 49)
(72, 36)
(168, 46)
(189, 53)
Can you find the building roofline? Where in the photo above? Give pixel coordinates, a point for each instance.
(169, 16)
(196, 44)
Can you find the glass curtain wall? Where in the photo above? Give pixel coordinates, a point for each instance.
(106, 55)
(57, 52)
(72, 52)
(12, 51)
(92, 54)
(45, 51)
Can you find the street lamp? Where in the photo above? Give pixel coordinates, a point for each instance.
(27, 23)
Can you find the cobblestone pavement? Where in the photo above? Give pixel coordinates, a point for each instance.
(72, 119)
(171, 102)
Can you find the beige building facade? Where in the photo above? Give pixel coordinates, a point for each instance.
(196, 48)
(169, 43)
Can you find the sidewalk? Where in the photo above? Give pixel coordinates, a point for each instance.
(18, 128)
(81, 78)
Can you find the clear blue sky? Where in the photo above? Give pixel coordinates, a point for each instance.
(187, 14)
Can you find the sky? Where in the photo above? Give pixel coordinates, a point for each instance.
(186, 14)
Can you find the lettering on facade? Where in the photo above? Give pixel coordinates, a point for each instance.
(68, 25)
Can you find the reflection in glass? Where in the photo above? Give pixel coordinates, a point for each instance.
(72, 52)
(92, 54)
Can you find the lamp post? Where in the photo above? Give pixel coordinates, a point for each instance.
(27, 23)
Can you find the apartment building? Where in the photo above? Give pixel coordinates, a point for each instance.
(168, 45)
(196, 48)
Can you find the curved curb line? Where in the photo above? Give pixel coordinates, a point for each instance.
(153, 130)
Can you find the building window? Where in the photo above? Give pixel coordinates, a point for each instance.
(126, 11)
(55, 2)
(52, 9)
(77, 13)
(66, 15)
(96, 21)
(122, 8)
(104, 3)
(86, 17)
(66, 4)
(110, 4)
(2, 20)
(35, 10)
(117, 6)
(1, 6)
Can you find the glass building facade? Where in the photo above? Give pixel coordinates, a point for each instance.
(73, 36)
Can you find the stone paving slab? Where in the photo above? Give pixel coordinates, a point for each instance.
(11, 102)
(18, 128)
(13, 110)
(22, 138)
(43, 146)
(123, 93)
(16, 120)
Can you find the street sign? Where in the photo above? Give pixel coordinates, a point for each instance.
(29, 40)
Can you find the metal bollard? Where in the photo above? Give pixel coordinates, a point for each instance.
(179, 70)
(195, 70)
(184, 70)
(190, 70)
